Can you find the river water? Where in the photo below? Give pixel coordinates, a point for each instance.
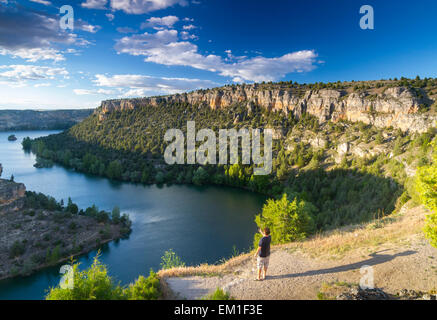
(201, 224)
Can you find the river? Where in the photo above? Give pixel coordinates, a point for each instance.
(201, 224)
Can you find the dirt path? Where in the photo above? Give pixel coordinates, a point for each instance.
(294, 274)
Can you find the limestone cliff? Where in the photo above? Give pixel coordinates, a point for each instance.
(393, 106)
(11, 195)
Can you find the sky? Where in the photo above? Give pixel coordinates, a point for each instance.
(134, 48)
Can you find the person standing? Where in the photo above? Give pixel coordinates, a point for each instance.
(263, 254)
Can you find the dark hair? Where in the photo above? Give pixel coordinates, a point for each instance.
(267, 230)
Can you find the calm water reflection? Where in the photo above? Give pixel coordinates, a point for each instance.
(201, 224)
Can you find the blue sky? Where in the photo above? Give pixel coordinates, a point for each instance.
(131, 48)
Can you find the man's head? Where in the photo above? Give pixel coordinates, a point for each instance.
(266, 231)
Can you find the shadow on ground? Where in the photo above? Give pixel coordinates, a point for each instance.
(375, 259)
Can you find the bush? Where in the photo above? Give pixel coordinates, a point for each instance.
(94, 283)
(144, 288)
(288, 221)
(171, 260)
(219, 294)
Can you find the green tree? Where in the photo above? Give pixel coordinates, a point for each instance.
(288, 221)
(200, 176)
(115, 215)
(114, 170)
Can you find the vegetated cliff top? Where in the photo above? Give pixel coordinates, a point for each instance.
(409, 105)
(41, 120)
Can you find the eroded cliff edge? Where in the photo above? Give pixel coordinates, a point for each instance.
(399, 107)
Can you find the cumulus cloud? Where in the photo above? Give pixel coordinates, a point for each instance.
(142, 85)
(38, 34)
(35, 54)
(156, 22)
(189, 27)
(144, 6)
(95, 4)
(85, 26)
(164, 47)
(20, 74)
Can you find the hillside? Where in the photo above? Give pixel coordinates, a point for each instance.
(350, 171)
(401, 104)
(41, 120)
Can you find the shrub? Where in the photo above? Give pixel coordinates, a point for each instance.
(171, 260)
(94, 283)
(144, 288)
(288, 221)
(219, 294)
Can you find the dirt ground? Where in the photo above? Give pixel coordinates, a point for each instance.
(404, 262)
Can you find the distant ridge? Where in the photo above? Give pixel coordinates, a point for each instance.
(41, 119)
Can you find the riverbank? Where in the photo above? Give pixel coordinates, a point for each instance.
(37, 232)
(326, 265)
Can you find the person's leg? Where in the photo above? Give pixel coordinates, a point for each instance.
(266, 265)
(259, 273)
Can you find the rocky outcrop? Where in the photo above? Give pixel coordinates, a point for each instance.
(397, 107)
(1, 169)
(11, 196)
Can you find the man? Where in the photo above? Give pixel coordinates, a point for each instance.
(263, 253)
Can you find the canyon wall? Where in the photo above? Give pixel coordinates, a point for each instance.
(396, 106)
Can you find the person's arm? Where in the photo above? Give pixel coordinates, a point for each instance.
(257, 252)
(259, 247)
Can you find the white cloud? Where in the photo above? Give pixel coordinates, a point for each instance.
(110, 16)
(45, 84)
(83, 92)
(20, 74)
(32, 35)
(142, 85)
(156, 22)
(89, 28)
(189, 27)
(125, 30)
(94, 4)
(35, 54)
(144, 6)
(164, 47)
(187, 36)
(44, 2)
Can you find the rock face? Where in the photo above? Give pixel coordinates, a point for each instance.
(1, 169)
(11, 196)
(397, 107)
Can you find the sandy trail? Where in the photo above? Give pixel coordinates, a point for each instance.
(295, 276)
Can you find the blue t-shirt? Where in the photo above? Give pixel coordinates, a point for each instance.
(264, 243)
